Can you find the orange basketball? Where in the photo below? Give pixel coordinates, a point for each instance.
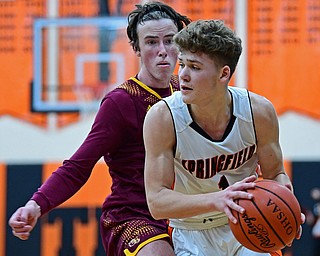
(271, 220)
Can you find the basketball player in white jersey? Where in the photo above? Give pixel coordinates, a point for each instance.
(204, 145)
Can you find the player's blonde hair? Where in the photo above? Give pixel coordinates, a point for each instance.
(213, 38)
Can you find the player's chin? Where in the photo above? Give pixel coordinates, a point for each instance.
(163, 76)
(186, 96)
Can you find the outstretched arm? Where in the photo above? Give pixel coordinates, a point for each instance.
(164, 203)
(73, 174)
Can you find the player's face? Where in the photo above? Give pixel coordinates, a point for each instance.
(157, 51)
(198, 77)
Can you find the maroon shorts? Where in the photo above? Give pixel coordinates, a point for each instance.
(127, 238)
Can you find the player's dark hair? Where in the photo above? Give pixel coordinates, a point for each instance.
(212, 38)
(152, 11)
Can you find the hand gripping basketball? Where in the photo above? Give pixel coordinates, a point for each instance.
(272, 218)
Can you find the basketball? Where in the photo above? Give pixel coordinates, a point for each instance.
(271, 220)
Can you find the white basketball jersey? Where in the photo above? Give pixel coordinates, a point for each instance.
(205, 165)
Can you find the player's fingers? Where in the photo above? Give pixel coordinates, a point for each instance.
(299, 234)
(21, 235)
(16, 220)
(251, 178)
(22, 229)
(232, 205)
(244, 184)
(247, 181)
(230, 215)
(16, 224)
(241, 195)
(303, 218)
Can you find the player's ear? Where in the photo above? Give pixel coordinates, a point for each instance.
(138, 53)
(136, 49)
(225, 73)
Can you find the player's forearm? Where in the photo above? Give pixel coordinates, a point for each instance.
(168, 204)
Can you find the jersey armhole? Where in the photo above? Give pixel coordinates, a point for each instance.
(253, 124)
(174, 127)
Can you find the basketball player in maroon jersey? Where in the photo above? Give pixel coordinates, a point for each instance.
(126, 225)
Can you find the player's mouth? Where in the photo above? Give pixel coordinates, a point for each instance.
(185, 88)
(163, 64)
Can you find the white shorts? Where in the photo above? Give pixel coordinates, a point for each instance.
(217, 241)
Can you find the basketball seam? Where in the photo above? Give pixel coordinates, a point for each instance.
(264, 217)
(296, 222)
(245, 233)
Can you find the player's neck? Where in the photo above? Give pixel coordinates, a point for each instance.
(152, 81)
(214, 107)
(213, 117)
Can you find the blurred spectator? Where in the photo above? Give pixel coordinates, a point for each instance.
(315, 194)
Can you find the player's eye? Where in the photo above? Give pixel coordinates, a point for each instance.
(169, 41)
(151, 42)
